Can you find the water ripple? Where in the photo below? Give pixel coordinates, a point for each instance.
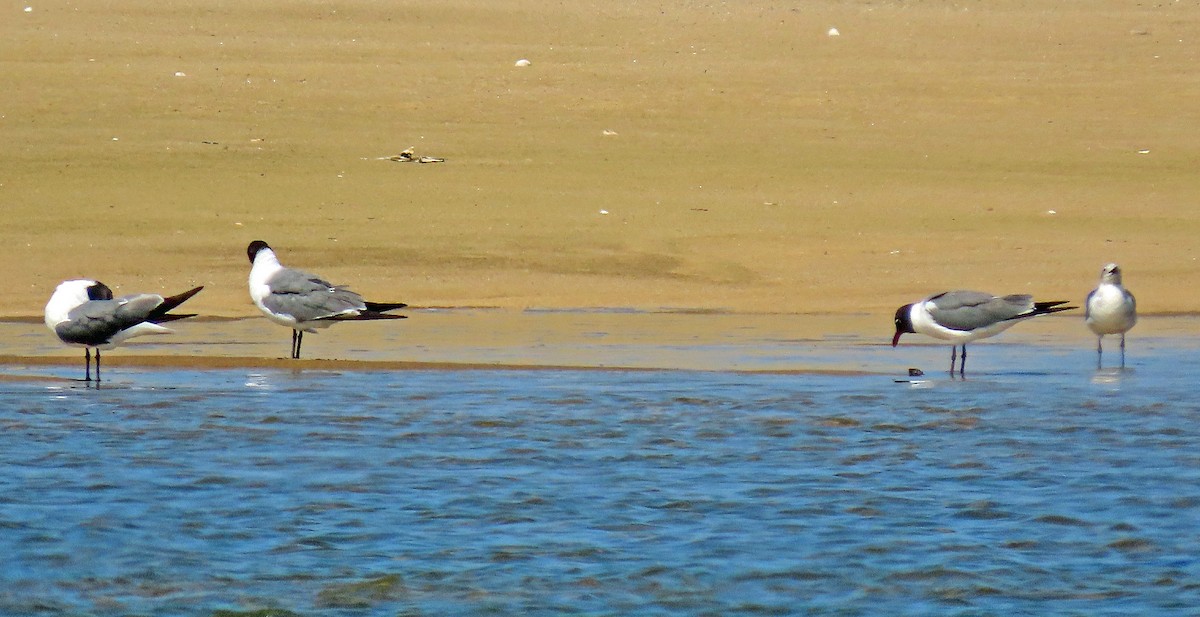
(600, 493)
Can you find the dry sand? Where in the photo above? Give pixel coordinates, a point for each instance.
(758, 164)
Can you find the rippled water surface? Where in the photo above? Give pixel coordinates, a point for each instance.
(1052, 489)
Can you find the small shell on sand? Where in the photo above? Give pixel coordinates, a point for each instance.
(523, 62)
(408, 156)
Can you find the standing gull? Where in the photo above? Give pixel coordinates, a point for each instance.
(304, 302)
(1110, 309)
(964, 316)
(83, 313)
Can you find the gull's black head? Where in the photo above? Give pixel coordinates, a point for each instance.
(254, 248)
(99, 291)
(903, 322)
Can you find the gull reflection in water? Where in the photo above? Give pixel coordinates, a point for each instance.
(1111, 376)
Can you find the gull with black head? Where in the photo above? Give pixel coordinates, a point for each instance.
(964, 316)
(83, 313)
(305, 302)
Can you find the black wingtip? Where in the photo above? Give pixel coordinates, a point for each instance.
(380, 307)
(367, 315)
(1039, 306)
(171, 317)
(159, 315)
(1055, 309)
(176, 300)
(1054, 306)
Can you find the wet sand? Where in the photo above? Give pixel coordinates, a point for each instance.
(688, 156)
(481, 338)
(571, 340)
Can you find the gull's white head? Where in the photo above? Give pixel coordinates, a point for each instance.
(1111, 274)
(70, 294)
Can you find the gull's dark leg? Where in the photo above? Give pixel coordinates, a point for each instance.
(87, 360)
(953, 357)
(294, 351)
(1099, 352)
(97, 366)
(1122, 350)
(299, 342)
(962, 364)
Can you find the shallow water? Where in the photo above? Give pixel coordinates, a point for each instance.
(1048, 488)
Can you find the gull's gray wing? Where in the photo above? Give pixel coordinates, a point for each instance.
(96, 321)
(307, 297)
(969, 310)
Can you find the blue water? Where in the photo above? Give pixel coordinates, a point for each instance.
(1045, 490)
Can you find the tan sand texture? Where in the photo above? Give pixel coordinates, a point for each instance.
(711, 155)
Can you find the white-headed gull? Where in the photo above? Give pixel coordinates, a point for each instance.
(84, 313)
(964, 316)
(1110, 309)
(304, 302)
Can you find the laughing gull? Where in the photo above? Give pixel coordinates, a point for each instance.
(1110, 309)
(964, 316)
(304, 302)
(83, 313)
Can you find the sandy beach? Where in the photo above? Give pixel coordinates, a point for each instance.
(715, 156)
